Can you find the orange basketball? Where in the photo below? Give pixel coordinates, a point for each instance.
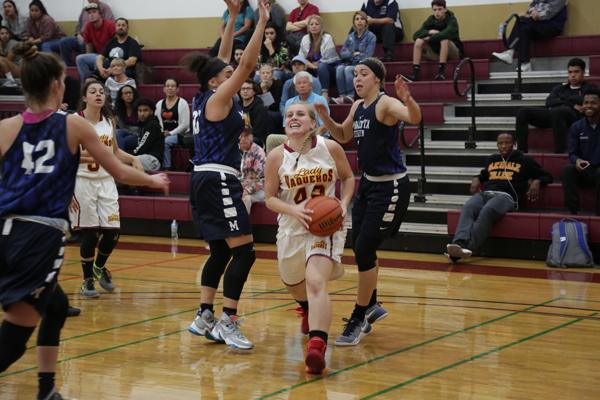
(327, 215)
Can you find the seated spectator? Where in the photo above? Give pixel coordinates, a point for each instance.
(238, 52)
(173, 113)
(297, 23)
(584, 153)
(289, 90)
(117, 79)
(72, 94)
(242, 29)
(270, 88)
(127, 118)
(319, 49)
(544, 19)
(508, 177)
(76, 44)
(274, 52)
(255, 112)
(151, 144)
(98, 32)
(9, 62)
(303, 84)
(276, 18)
(42, 30)
(252, 169)
(383, 18)
(13, 20)
(563, 107)
(120, 46)
(359, 45)
(439, 39)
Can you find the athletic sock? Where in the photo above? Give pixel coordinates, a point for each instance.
(303, 304)
(320, 334)
(230, 311)
(359, 312)
(205, 306)
(373, 300)
(88, 269)
(45, 384)
(101, 260)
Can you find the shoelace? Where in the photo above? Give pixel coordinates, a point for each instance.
(348, 324)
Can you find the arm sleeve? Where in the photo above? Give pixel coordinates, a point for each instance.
(371, 40)
(535, 171)
(157, 112)
(183, 109)
(450, 32)
(552, 9)
(573, 144)
(346, 51)
(328, 52)
(304, 46)
(423, 32)
(554, 99)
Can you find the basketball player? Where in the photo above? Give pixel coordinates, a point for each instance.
(304, 167)
(384, 189)
(39, 155)
(216, 191)
(95, 206)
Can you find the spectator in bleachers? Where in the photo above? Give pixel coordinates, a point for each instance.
(303, 84)
(543, 19)
(76, 43)
(242, 30)
(13, 20)
(508, 178)
(274, 52)
(318, 48)
(120, 46)
(255, 112)
(72, 94)
(97, 33)
(297, 23)
(289, 90)
(438, 39)
(127, 118)
(252, 169)
(383, 17)
(359, 45)
(563, 107)
(9, 62)
(173, 113)
(270, 88)
(117, 79)
(238, 52)
(42, 30)
(584, 153)
(276, 18)
(151, 144)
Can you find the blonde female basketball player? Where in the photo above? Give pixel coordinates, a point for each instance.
(304, 167)
(95, 206)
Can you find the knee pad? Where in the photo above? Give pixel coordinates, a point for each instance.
(89, 241)
(14, 343)
(54, 319)
(238, 270)
(108, 240)
(215, 265)
(365, 252)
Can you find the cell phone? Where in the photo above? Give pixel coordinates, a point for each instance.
(586, 164)
(405, 79)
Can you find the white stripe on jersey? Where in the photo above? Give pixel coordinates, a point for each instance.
(104, 130)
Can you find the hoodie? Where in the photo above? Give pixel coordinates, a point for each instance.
(151, 140)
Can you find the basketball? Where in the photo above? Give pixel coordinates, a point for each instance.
(327, 215)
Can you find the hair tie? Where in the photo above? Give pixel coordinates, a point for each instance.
(31, 53)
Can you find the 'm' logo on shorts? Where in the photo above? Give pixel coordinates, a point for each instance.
(319, 245)
(233, 226)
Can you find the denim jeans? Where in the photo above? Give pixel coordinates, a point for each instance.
(126, 140)
(50, 46)
(86, 65)
(344, 78)
(324, 72)
(170, 141)
(67, 46)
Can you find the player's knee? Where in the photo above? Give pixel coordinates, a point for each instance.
(54, 319)
(315, 285)
(220, 254)
(365, 252)
(238, 270)
(89, 240)
(14, 343)
(108, 240)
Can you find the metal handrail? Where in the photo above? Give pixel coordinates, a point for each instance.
(470, 143)
(420, 195)
(516, 94)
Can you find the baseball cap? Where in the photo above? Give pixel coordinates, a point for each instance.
(91, 6)
(300, 58)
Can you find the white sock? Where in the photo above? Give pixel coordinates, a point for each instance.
(9, 76)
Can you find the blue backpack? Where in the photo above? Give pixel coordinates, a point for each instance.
(569, 247)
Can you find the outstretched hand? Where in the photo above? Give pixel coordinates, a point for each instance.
(160, 181)
(402, 90)
(233, 6)
(321, 109)
(264, 10)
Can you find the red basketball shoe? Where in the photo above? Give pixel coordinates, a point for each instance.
(315, 355)
(304, 323)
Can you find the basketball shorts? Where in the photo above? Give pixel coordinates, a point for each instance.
(217, 206)
(31, 255)
(293, 252)
(98, 202)
(379, 207)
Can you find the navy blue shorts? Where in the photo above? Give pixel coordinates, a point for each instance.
(379, 208)
(31, 256)
(217, 206)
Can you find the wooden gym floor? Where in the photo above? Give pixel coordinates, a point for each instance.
(490, 329)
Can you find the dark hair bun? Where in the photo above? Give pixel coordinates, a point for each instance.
(25, 50)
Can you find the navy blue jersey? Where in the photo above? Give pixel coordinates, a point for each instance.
(38, 171)
(378, 150)
(216, 142)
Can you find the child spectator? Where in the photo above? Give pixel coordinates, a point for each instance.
(127, 118)
(544, 19)
(241, 30)
(117, 79)
(383, 17)
(438, 40)
(151, 144)
(360, 44)
(274, 52)
(297, 23)
(319, 49)
(120, 46)
(13, 20)
(252, 169)
(173, 113)
(42, 30)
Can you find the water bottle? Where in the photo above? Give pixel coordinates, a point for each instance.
(174, 230)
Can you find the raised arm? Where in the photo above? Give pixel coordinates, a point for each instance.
(233, 6)
(343, 132)
(394, 111)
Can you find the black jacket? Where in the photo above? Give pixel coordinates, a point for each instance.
(151, 140)
(258, 118)
(563, 95)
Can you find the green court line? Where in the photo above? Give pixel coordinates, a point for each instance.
(473, 358)
(18, 372)
(402, 350)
